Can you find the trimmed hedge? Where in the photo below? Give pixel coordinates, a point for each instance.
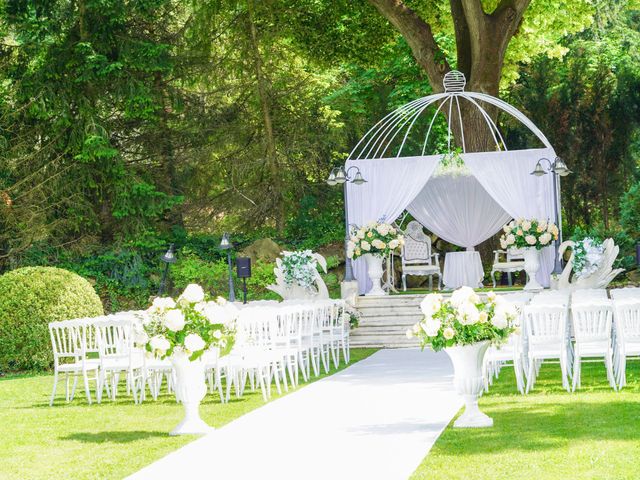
(30, 298)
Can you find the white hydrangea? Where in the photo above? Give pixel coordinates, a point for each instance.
(159, 344)
(194, 342)
(393, 244)
(366, 246)
(431, 304)
(192, 294)
(383, 229)
(545, 238)
(468, 313)
(174, 320)
(431, 327)
(530, 239)
(464, 294)
(161, 304)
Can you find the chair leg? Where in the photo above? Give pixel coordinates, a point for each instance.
(404, 282)
(509, 280)
(608, 361)
(493, 278)
(86, 386)
(531, 376)
(576, 373)
(430, 283)
(55, 384)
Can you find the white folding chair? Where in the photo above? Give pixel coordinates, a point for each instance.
(118, 356)
(547, 339)
(627, 293)
(70, 358)
(627, 336)
(592, 330)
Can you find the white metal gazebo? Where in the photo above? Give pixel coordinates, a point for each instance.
(388, 170)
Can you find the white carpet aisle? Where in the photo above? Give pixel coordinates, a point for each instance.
(375, 420)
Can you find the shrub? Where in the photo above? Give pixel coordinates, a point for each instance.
(30, 298)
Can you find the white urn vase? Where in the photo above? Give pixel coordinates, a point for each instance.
(190, 389)
(374, 270)
(531, 266)
(469, 382)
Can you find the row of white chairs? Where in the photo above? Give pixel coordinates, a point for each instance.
(569, 328)
(275, 344)
(273, 340)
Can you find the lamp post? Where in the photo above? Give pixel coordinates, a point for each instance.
(168, 258)
(225, 244)
(559, 169)
(340, 176)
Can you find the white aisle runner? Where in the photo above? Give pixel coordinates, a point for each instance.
(374, 420)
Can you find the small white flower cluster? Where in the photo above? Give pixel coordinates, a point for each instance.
(463, 309)
(523, 233)
(299, 268)
(587, 256)
(375, 238)
(166, 317)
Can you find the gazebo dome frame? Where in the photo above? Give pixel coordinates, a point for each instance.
(400, 122)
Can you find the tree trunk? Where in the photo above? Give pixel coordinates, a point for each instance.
(481, 41)
(271, 153)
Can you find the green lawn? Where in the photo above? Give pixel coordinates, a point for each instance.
(82, 441)
(549, 434)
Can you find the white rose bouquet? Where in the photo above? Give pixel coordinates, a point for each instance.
(464, 319)
(299, 268)
(588, 254)
(376, 238)
(191, 325)
(533, 233)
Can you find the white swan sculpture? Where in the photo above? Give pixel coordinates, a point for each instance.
(600, 278)
(296, 292)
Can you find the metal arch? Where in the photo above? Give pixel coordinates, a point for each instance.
(378, 139)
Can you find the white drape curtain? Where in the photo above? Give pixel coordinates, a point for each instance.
(392, 183)
(506, 176)
(458, 209)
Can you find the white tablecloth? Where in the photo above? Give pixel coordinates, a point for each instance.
(462, 269)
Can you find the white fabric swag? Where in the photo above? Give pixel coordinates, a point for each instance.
(455, 207)
(506, 176)
(392, 184)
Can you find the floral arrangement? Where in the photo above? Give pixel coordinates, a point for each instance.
(191, 325)
(523, 233)
(299, 268)
(588, 254)
(351, 316)
(464, 319)
(376, 238)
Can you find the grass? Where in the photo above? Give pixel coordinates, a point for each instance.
(110, 440)
(548, 434)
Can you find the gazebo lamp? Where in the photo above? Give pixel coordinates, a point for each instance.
(225, 244)
(559, 169)
(340, 176)
(168, 258)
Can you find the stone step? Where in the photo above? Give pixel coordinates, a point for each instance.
(366, 323)
(386, 341)
(381, 330)
(389, 312)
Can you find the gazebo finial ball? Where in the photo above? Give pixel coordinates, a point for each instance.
(454, 81)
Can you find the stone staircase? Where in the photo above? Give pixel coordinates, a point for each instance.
(385, 320)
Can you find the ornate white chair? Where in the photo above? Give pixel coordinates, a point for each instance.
(513, 262)
(417, 258)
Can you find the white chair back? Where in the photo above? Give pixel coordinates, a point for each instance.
(592, 322)
(625, 293)
(627, 320)
(417, 245)
(545, 323)
(65, 341)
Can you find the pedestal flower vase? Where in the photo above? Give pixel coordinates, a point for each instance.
(190, 390)
(531, 266)
(374, 270)
(469, 382)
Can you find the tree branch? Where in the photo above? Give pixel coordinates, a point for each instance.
(419, 36)
(463, 38)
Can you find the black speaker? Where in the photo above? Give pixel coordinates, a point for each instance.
(243, 265)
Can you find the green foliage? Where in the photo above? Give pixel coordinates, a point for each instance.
(630, 211)
(30, 298)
